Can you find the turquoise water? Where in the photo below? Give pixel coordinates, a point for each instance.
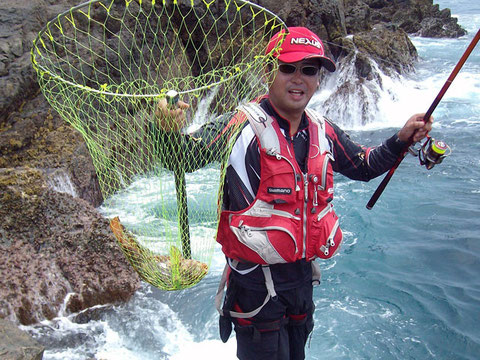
(405, 284)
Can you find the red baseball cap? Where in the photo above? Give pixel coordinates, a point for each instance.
(298, 44)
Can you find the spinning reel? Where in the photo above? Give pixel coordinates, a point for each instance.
(431, 153)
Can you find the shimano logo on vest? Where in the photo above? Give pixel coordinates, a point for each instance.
(285, 191)
(306, 41)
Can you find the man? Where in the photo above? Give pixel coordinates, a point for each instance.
(277, 213)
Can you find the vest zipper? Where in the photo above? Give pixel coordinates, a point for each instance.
(330, 241)
(269, 212)
(248, 231)
(305, 203)
(328, 157)
(272, 152)
(324, 212)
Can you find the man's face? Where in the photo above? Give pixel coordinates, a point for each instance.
(293, 87)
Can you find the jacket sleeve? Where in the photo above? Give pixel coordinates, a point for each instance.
(358, 162)
(195, 150)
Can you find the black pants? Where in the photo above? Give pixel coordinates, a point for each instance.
(280, 330)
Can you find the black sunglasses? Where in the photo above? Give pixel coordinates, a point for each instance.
(307, 70)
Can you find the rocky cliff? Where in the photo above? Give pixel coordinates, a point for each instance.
(53, 241)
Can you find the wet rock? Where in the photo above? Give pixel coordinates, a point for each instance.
(437, 27)
(390, 48)
(417, 17)
(16, 344)
(95, 313)
(36, 136)
(54, 245)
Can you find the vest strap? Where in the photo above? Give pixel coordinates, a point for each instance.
(261, 122)
(316, 274)
(315, 117)
(271, 294)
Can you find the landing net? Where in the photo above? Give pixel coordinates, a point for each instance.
(105, 65)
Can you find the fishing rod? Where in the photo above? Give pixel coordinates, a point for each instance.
(436, 149)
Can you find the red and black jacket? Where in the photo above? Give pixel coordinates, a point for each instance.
(243, 172)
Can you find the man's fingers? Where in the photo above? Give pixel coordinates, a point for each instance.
(419, 135)
(171, 118)
(182, 105)
(415, 128)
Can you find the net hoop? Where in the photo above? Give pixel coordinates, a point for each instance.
(45, 71)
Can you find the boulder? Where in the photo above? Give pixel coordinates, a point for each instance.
(59, 253)
(20, 21)
(36, 136)
(389, 46)
(16, 344)
(415, 17)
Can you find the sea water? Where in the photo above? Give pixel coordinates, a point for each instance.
(406, 283)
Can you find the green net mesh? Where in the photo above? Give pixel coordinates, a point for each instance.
(104, 66)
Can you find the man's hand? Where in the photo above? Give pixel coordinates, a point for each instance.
(170, 118)
(415, 129)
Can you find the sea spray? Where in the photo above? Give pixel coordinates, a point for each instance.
(59, 180)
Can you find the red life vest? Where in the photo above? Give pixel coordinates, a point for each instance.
(292, 216)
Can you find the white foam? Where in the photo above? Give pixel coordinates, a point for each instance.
(207, 350)
(60, 181)
(388, 101)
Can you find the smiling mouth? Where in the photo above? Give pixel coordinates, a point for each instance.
(296, 92)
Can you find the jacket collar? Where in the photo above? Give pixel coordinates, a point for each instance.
(282, 122)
